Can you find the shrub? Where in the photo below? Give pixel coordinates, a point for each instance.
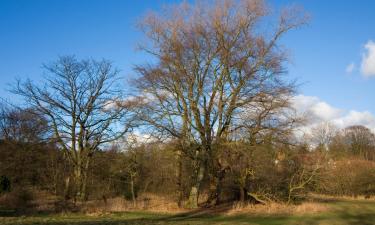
(349, 177)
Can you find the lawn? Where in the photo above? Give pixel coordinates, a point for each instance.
(361, 212)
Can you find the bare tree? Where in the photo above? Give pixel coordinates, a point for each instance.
(270, 121)
(301, 178)
(271, 118)
(213, 61)
(22, 125)
(323, 134)
(84, 109)
(361, 141)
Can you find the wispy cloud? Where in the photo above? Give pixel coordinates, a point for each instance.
(368, 59)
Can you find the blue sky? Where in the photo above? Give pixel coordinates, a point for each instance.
(36, 32)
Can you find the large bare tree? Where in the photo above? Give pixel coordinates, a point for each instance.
(361, 141)
(213, 61)
(85, 109)
(322, 135)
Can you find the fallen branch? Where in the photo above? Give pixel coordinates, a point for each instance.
(258, 197)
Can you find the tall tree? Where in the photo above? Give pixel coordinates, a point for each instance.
(213, 61)
(361, 141)
(84, 109)
(323, 134)
(22, 125)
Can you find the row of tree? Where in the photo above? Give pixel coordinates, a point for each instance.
(264, 172)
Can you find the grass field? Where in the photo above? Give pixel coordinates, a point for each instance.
(361, 212)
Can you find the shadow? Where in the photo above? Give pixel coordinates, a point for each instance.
(204, 212)
(8, 213)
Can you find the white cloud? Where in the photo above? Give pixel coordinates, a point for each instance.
(350, 68)
(315, 109)
(318, 111)
(137, 138)
(324, 111)
(368, 60)
(356, 118)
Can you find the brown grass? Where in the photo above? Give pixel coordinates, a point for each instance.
(40, 201)
(29, 200)
(147, 202)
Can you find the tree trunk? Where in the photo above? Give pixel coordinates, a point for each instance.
(132, 190)
(85, 179)
(66, 188)
(80, 177)
(179, 179)
(194, 192)
(242, 194)
(78, 180)
(215, 187)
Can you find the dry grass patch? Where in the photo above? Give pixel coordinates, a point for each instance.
(145, 202)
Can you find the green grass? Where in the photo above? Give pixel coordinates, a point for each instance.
(351, 212)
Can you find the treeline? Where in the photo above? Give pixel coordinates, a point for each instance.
(265, 172)
(210, 120)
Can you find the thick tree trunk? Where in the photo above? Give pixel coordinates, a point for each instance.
(85, 179)
(242, 194)
(66, 188)
(194, 191)
(80, 177)
(78, 181)
(216, 187)
(214, 192)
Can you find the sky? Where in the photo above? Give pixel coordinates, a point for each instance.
(333, 57)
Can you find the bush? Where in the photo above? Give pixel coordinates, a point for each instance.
(17, 199)
(349, 177)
